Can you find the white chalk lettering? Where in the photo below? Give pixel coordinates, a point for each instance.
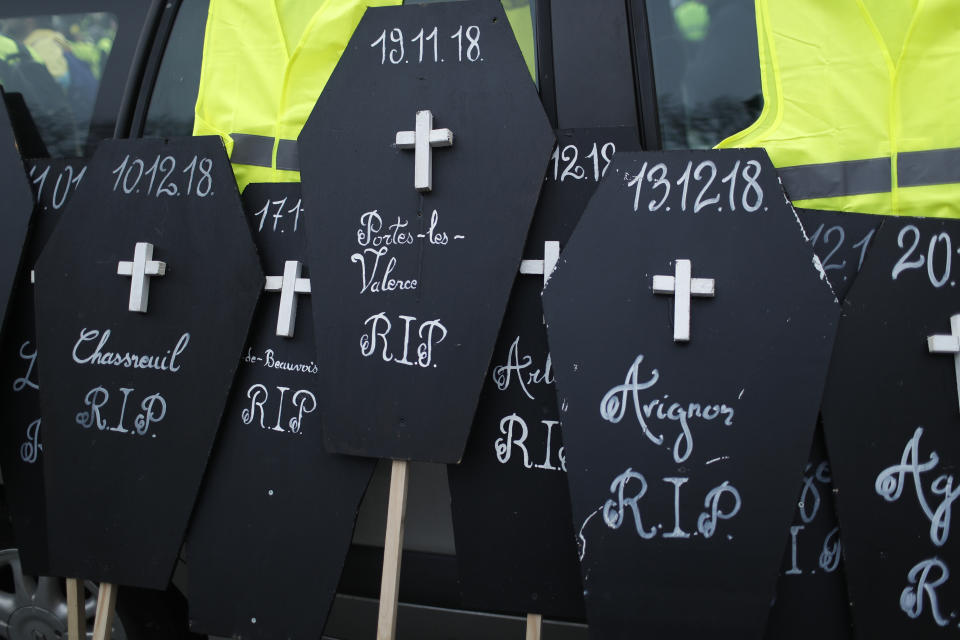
(794, 569)
(30, 357)
(614, 511)
(707, 522)
(923, 583)
(430, 332)
(128, 360)
(677, 531)
(515, 433)
(304, 402)
(517, 366)
(31, 448)
(153, 407)
(613, 407)
(830, 553)
(547, 465)
(368, 235)
(810, 494)
(504, 446)
(892, 480)
(371, 283)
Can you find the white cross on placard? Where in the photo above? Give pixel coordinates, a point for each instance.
(682, 287)
(949, 344)
(140, 270)
(421, 140)
(289, 285)
(545, 267)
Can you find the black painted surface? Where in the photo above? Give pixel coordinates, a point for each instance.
(665, 547)
(891, 415)
(811, 598)
(510, 501)
(17, 387)
(21, 447)
(404, 367)
(125, 447)
(841, 241)
(17, 208)
(276, 508)
(591, 55)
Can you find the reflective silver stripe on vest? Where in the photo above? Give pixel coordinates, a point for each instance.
(258, 151)
(832, 179)
(855, 177)
(288, 157)
(926, 168)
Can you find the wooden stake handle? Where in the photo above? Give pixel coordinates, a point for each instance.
(106, 607)
(534, 626)
(392, 550)
(76, 611)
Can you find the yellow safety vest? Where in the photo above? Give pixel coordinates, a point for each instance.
(858, 103)
(521, 21)
(8, 47)
(265, 62)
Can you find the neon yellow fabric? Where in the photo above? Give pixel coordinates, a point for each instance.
(859, 79)
(105, 45)
(521, 21)
(265, 62)
(892, 20)
(8, 47)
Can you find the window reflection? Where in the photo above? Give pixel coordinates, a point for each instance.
(56, 62)
(706, 69)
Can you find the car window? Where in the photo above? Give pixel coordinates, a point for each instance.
(706, 69)
(178, 80)
(56, 63)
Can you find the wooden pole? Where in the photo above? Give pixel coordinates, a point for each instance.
(534, 626)
(106, 607)
(392, 550)
(76, 611)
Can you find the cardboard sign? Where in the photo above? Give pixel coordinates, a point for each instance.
(687, 312)
(892, 419)
(426, 151)
(268, 485)
(516, 548)
(812, 574)
(144, 295)
(21, 448)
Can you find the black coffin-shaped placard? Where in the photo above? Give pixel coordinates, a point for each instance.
(21, 453)
(16, 209)
(812, 576)
(683, 456)
(516, 549)
(892, 419)
(415, 254)
(841, 241)
(131, 400)
(275, 507)
(811, 600)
